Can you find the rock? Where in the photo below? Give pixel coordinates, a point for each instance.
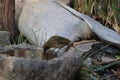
(19, 4)
(22, 50)
(64, 67)
(4, 38)
(82, 48)
(38, 24)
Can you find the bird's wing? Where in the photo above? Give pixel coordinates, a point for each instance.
(101, 31)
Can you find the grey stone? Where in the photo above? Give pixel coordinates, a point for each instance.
(4, 38)
(64, 67)
(19, 4)
(22, 50)
(42, 19)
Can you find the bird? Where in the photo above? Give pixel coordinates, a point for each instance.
(56, 42)
(47, 23)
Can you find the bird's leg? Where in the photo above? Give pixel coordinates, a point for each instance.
(71, 44)
(66, 48)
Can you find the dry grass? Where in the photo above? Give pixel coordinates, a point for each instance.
(105, 11)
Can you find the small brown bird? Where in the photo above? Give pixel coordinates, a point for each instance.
(56, 42)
